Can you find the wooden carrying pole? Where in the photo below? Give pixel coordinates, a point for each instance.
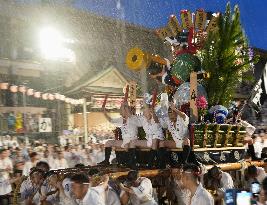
(224, 167)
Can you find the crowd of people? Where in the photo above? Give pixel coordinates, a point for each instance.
(38, 173)
(37, 165)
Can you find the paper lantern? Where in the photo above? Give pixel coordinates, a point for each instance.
(51, 97)
(45, 96)
(14, 88)
(62, 98)
(81, 101)
(22, 89)
(3, 86)
(72, 101)
(57, 96)
(67, 100)
(37, 94)
(30, 92)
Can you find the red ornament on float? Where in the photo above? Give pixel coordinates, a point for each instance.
(13, 88)
(30, 92)
(37, 94)
(3, 86)
(22, 89)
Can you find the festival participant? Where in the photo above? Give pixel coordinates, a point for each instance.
(86, 195)
(221, 181)
(30, 164)
(254, 174)
(137, 190)
(109, 195)
(29, 185)
(112, 197)
(263, 193)
(6, 168)
(60, 162)
(30, 189)
(177, 123)
(128, 124)
(47, 157)
(66, 196)
(191, 181)
(153, 131)
(175, 190)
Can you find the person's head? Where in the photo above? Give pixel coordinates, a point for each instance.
(252, 171)
(33, 156)
(79, 185)
(125, 110)
(60, 155)
(4, 153)
(37, 176)
(18, 152)
(52, 178)
(46, 154)
(43, 166)
(216, 172)
(19, 165)
(132, 178)
(67, 148)
(190, 175)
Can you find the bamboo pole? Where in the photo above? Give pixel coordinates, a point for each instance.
(224, 167)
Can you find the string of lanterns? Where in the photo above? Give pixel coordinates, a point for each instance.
(40, 95)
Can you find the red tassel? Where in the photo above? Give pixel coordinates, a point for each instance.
(154, 98)
(105, 102)
(126, 94)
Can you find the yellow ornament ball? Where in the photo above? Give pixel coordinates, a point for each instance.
(136, 59)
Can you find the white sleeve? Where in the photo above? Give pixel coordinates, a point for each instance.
(139, 120)
(143, 190)
(94, 197)
(26, 170)
(261, 174)
(227, 181)
(250, 129)
(25, 190)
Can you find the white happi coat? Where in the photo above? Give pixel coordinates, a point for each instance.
(5, 185)
(152, 129)
(129, 130)
(178, 131)
(202, 197)
(143, 194)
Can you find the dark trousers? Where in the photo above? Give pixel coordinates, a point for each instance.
(5, 200)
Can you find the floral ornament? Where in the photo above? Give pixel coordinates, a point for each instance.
(201, 102)
(202, 105)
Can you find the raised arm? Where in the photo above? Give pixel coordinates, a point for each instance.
(156, 119)
(181, 114)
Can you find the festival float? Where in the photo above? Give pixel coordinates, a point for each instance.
(210, 58)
